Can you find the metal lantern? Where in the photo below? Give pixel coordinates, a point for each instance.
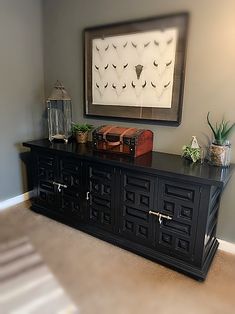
(59, 110)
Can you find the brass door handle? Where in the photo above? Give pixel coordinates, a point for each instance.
(160, 216)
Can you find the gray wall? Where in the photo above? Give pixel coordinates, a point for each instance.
(21, 88)
(210, 71)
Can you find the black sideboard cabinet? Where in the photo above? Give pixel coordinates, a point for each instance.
(158, 205)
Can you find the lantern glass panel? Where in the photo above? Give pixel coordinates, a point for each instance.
(59, 119)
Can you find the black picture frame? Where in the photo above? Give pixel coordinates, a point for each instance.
(155, 115)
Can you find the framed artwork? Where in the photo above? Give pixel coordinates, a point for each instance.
(135, 70)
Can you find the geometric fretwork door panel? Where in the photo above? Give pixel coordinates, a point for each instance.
(73, 196)
(179, 201)
(59, 186)
(136, 199)
(46, 169)
(100, 195)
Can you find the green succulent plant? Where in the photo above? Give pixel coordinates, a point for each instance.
(193, 154)
(79, 127)
(221, 131)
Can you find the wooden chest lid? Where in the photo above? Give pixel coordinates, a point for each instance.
(117, 130)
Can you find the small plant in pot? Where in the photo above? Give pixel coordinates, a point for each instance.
(81, 131)
(220, 149)
(193, 151)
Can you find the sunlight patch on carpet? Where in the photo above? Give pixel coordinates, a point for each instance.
(26, 283)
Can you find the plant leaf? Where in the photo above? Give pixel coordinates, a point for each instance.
(210, 125)
(228, 131)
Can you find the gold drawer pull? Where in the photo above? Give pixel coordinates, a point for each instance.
(160, 216)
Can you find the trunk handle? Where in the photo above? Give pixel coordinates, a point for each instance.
(118, 142)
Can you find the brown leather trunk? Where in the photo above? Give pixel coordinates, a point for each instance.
(120, 140)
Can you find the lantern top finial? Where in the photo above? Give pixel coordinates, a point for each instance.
(59, 92)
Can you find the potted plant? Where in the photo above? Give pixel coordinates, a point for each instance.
(220, 149)
(193, 151)
(81, 131)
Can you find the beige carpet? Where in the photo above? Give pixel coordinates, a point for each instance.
(105, 279)
(27, 285)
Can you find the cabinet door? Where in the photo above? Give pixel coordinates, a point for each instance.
(136, 199)
(101, 196)
(46, 171)
(72, 198)
(179, 201)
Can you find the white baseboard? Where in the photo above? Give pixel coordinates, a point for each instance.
(226, 246)
(15, 200)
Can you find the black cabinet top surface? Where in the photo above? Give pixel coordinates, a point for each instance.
(154, 162)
